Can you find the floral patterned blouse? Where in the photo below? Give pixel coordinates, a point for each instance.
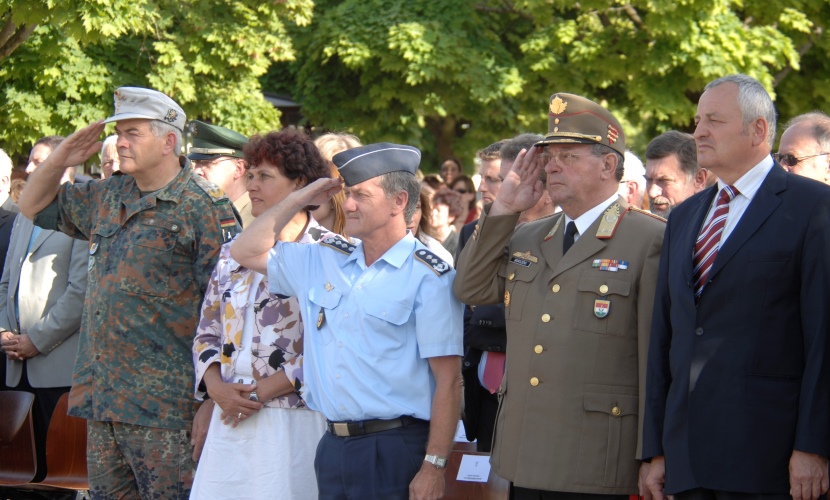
(277, 343)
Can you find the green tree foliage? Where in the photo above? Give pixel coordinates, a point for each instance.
(207, 55)
(416, 71)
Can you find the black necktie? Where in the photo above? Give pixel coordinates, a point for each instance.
(570, 231)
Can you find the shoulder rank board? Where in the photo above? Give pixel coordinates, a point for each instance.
(608, 222)
(432, 261)
(338, 244)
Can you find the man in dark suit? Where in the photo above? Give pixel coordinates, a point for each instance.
(738, 384)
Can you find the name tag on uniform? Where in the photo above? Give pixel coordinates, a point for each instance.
(523, 259)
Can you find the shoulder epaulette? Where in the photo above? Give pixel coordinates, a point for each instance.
(646, 212)
(217, 196)
(338, 244)
(608, 222)
(432, 261)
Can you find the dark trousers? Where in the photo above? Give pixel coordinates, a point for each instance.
(706, 494)
(46, 398)
(488, 406)
(517, 493)
(379, 465)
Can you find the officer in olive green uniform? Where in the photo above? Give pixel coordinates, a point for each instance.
(216, 154)
(578, 289)
(154, 232)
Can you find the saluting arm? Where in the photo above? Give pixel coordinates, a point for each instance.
(251, 247)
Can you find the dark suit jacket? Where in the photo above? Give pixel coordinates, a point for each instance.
(740, 380)
(484, 330)
(8, 211)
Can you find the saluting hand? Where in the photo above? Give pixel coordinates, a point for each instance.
(78, 147)
(523, 185)
(318, 192)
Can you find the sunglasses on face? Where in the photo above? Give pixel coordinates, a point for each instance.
(792, 160)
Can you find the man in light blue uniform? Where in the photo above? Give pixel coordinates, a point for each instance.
(383, 330)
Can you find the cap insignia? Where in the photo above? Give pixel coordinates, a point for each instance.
(171, 116)
(612, 134)
(192, 128)
(557, 105)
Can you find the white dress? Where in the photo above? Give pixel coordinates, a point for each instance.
(269, 455)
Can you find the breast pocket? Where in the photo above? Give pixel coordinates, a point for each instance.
(385, 320)
(147, 265)
(323, 304)
(603, 304)
(517, 282)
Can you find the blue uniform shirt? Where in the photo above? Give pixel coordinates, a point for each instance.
(368, 357)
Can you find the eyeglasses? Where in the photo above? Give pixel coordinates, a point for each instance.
(565, 158)
(792, 160)
(208, 164)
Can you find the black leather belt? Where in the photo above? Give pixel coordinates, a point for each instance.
(362, 427)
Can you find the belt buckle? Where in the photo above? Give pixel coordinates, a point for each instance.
(341, 429)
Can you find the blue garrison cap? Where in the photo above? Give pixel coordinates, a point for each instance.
(358, 165)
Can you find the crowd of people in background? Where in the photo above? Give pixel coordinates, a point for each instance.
(278, 316)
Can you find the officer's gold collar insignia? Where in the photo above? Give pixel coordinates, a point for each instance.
(554, 228)
(608, 222)
(557, 105)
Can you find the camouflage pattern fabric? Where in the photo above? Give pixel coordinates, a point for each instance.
(128, 461)
(150, 259)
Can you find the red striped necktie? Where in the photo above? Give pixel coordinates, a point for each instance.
(708, 242)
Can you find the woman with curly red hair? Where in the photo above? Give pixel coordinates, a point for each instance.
(249, 345)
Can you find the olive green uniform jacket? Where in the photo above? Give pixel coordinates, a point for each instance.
(577, 340)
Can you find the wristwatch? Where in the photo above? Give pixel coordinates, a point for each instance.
(253, 397)
(437, 461)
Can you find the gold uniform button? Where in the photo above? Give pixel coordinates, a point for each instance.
(545, 318)
(534, 381)
(512, 275)
(616, 411)
(538, 349)
(603, 289)
(555, 288)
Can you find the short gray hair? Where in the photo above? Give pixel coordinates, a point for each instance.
(819, 127)
(753, 100)
(602, 149)
(110, 141)
(160, 129)
(395, 182)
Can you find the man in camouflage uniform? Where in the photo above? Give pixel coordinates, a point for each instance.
(154, 232)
